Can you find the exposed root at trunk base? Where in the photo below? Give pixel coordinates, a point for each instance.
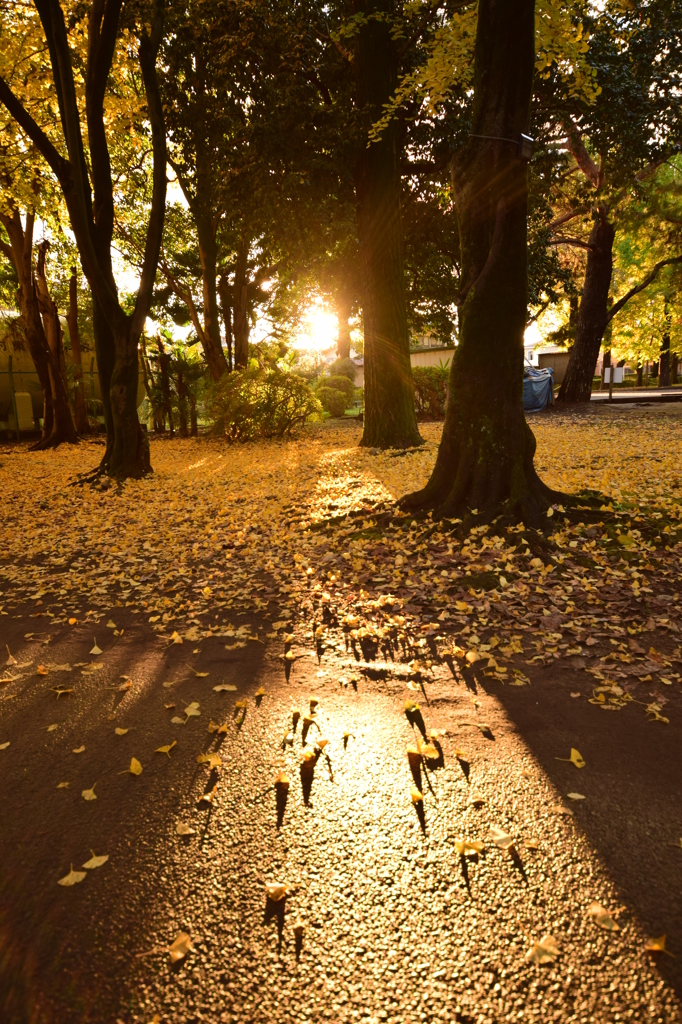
(481, 480)
(53, 441)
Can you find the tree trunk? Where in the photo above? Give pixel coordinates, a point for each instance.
(485, 458)
(164, 374)
(343, 340)
(213, 349)
(640, 375)
(63, 429)
(80, 410)
(226, 303)
(674, 366)
(21, 255)
(240, 307)
(182, 402)
(664, 367)
(389, 419)
(606, 365)
(592, 314)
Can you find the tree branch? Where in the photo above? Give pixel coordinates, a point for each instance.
(59, 165)
(149, 46)
(582, 157)
(564, 218)
(651, 276)
(577, 242)
(102, 32)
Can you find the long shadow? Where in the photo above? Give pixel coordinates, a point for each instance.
(632, 782)
(44, 829)
(281, 798)
(274, 911)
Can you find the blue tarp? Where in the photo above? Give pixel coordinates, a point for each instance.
(537, 389)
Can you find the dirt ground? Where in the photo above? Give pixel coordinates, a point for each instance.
(386, 916)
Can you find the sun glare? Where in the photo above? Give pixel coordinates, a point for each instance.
(318, 331)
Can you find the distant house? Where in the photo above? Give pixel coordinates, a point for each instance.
(431, 353)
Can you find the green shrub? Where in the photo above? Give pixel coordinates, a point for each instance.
(342, 384)
(344, 368)
(260, 403)
(430, 391)
(333, 401)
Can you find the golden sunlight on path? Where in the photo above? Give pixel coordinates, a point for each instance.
(271, 752)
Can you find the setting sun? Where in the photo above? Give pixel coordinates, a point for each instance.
(318, 331)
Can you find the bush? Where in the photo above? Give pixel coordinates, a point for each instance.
(333, 401)
(342, 384)
(430, 391)
(344, 368)
(260, 403)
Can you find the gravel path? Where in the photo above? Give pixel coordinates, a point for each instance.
(383, 919)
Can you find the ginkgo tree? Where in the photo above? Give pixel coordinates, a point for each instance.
(67, 106)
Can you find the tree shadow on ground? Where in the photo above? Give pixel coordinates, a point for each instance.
(59, 950)
(632, 782)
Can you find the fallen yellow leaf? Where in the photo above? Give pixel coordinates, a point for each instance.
(602, 918)
(72, 878)
(543, 952)
(576, 758)
(276, 891)
(89, 794)
(96, 862)
(180, 947)
(166, 749)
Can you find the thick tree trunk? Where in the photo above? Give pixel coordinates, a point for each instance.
(226, 304)
(389, 419)
(128, 455)
(592, 317)
(213, 350)
(485, 458)
(640, 375)
(674, 367)
(343, 340)
(80, 410)
(240, 306)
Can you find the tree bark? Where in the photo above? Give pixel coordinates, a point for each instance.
(88, 190)
(213, 349)
(43, 331)
(664, 361)
(182, 401)
(164, 374)
(389, 419)
(226, 304)
(674, 367)
(640, 375)
(343, 341)
(21, 255)
(593, 314)
(63, 428)
(485, 459)
(240, 290)
(80, 409)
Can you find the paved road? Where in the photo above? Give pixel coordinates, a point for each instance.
(396, 925)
